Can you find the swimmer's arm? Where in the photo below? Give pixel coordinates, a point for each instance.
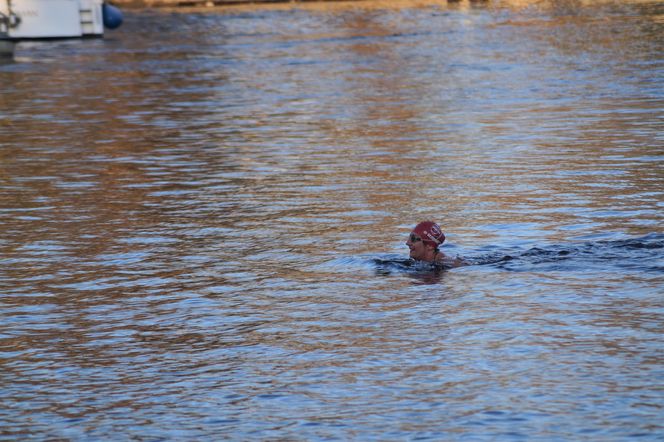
(458, 262)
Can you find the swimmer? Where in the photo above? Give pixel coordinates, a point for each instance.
(424, 242)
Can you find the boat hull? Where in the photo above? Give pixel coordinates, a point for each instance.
(48, 19)
(6, 48)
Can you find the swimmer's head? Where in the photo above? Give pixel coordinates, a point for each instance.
(430, 233)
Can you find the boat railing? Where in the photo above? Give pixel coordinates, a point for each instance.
(8, 21)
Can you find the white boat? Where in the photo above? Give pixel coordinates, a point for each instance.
(44, 19)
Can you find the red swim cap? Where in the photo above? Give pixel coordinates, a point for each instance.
(430, 232)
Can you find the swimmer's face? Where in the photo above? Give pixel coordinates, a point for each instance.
(416, 246)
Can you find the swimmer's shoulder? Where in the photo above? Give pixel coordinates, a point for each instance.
(453, 262)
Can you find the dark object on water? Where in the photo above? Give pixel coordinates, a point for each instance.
(112, 16)
(387, 266)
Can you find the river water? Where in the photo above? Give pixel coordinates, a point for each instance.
(203, 220)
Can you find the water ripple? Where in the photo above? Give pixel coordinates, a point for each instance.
(204, 215)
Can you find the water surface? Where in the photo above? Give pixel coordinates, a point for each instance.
(203, 220)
